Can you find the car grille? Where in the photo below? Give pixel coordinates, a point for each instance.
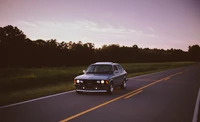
(89, 82)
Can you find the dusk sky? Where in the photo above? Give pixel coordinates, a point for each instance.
(162, 24)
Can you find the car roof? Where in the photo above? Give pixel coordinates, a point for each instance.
(106, 63)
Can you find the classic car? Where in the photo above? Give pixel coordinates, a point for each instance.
(101, 77)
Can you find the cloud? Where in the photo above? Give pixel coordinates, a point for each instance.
(86, 31)
(151, 29)
(86, 25)
(29, 24)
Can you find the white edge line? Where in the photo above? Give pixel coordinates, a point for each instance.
(156, 73)
(195, 116)
(49, 96)
(151, 74)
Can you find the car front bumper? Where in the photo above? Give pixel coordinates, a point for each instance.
(79, 90)
(91, 88)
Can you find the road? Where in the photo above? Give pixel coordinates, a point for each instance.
(168, 96)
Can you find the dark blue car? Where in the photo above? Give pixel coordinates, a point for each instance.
(101, 77)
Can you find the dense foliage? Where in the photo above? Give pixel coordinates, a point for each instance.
(16, 50)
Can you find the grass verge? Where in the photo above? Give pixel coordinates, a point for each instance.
(18, 85)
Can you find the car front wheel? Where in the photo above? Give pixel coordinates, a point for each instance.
(123, 86)
(110, 89)
(78, 92)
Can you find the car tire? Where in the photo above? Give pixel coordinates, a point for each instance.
(123, 86)
(78, 92)
(110, 89)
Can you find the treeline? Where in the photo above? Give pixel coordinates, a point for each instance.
(16, 50)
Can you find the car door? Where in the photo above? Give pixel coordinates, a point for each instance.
(121, 74)
(116, 79)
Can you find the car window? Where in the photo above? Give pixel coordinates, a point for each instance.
(100, 69)
(120, 68)
(115, 68)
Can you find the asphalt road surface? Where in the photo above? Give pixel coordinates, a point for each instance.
(168, 96)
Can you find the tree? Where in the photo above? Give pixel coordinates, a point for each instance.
(194, 52)
(11, 34)
(13, 45)
(18, 50)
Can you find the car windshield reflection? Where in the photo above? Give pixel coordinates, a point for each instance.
(99, 69)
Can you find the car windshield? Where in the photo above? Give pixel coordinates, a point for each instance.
(99, 69)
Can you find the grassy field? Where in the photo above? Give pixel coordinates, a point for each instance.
(22, 84)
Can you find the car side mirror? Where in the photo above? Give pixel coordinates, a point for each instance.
(84, 71)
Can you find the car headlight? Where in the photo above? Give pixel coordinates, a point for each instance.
(79, 81)
(102, 81)
(98, 81)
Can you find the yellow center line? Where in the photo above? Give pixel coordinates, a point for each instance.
(134, 92)
(167, 78)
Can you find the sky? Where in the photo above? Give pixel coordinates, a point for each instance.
(162, 24)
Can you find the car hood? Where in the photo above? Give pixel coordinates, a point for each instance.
(94, 76)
